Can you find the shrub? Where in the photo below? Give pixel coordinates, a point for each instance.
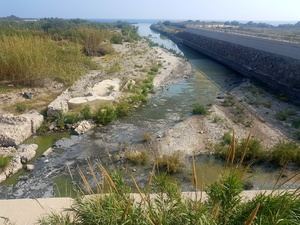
(21, 107)
(170, 163)
(57, 219)
(4, 161)
(86, 113)
(137, 157)
(116, 39)
(284, 115)
(105, 115)
(227, 138)
(224, 196)
(245, 149)
(199, 109)
(228, 101)
(296, 123)
(114, 68)
(123, 109)
(281, 208)
(71, 118)
(285, 152)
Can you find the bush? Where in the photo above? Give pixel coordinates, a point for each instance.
(170, 163)
(123, 109)
(21, 107)
(285, 152)
(105, 115)
(137, 157)
(116, 39)
(245, 149)
(284, 115)
(282, 208)
(4, 161)
(71, 118)
(296, 123)
(224, 196)
(86, 113)
(199, 109)
(227, 138)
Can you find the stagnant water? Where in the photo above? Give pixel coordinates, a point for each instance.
(165, 108)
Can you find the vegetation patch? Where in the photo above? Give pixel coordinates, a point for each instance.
(137, 157)
(223, 206)
(170, 163)
(285, 152)
(199, 109)
(4, 161)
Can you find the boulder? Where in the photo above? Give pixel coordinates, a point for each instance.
(27, 152)
(74, 102)
(83, 127)
(105, 88)
(15, 129)
(59, 105)
(29, 167)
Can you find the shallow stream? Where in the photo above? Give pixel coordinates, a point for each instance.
(166, 107)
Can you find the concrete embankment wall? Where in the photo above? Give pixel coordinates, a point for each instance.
(265, 61)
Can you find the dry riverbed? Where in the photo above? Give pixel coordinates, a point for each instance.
(246, 109)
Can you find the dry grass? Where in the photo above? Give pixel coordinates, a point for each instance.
(28, 60)
(137, 157)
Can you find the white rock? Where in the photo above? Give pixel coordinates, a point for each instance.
(105, 87)
(15, 129)
(47, 152)
(27, 152)
(83, 127)
(59, 105)
(29, 167)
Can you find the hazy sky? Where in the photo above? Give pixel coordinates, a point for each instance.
(155, 9)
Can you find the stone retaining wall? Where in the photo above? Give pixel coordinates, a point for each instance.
(278, 72)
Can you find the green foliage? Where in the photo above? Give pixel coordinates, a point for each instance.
(21, 107)
(123, 109)
(248, 150)
(227, 138)
(285, 152)
(167, 207)
(281, 208)
(199, 109)
(105, 115)
(86, 113)
(56, 219)
(284, 114)
(296, 123)
(116, 39)
(4, 161)
(224, 197)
